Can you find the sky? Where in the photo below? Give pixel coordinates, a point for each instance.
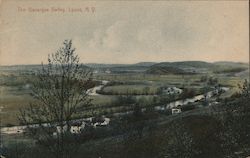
(124, 32)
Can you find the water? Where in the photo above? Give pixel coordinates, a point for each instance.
(188, 100)
(21, 129)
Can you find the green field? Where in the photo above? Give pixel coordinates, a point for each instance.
(15, 88)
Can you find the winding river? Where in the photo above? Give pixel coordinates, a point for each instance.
(188, 100)
(93, 92)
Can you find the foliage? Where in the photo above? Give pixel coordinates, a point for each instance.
(61, 90)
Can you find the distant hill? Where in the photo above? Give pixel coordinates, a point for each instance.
(185, 64)
(230, 67)
(182, 67)
(231, 64)
(157, 69)
(193, 67)
(145, 64)
(122, 68)
(99, 65)
(20, 68)
(27, 68)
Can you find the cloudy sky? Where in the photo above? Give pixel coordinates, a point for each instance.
(125, 32)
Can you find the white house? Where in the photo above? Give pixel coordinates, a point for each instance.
(61, 130)
(176, 111)
(77, 129)
(107, 71)
(13, 130)
(96, 72)
(104, 123)
(172, 90)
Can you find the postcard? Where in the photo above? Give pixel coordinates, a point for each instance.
(124, 79)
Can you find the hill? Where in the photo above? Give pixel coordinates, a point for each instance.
(231, 64)
(232, 68)
(144, 64)
(197, 67)
(158, 69)
(184, 67)
(185, 64)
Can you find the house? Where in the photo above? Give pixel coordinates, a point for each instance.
(213, 103)
(172, 90)
(107, 71)
(61, 130)
(77, 126)
(13, 130)
(176, 111)
(76, 129)
(105, 122)
(96, 72)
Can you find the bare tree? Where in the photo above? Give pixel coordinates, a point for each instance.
(61, 93)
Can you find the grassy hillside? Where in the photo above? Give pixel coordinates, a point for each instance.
(230, 67)
(159, 69)
(194, 64)
(185, 67)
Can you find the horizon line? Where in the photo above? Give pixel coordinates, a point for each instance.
(142, 62)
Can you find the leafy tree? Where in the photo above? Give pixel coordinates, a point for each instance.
(235, 123)
(61, 94)
(181, 142)
(146, 90)
(245, 89)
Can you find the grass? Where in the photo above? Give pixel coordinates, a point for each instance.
(147, 77)
(15, 96)
(101, 99)
(11, 108)
(157, 143)
(232, 82)
(130, 89)
(200, 131)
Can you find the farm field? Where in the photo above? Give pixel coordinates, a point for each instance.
(15, 88)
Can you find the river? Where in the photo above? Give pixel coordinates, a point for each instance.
(93, 91)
